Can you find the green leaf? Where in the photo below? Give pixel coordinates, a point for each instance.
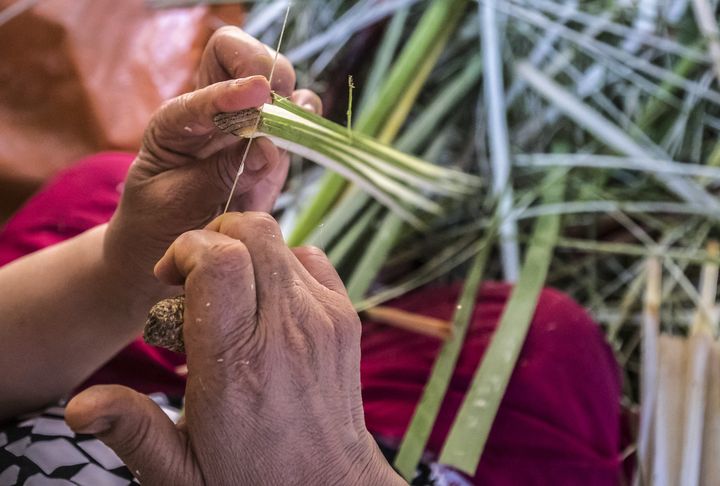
(422, 49)
(421, 425)
(471, 428)
(340, 218)
(609, 133)
(347, 242)
(377, 251)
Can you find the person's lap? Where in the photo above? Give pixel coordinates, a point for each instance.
(559, 420)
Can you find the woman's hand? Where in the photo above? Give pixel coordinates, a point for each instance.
(185, 169)
(273, 392)
(54, 301)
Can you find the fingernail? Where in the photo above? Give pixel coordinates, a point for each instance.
(309, 107)
(98, 426)
(241, 81)
(244, 81)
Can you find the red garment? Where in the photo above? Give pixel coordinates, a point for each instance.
(559, 423)
(76, 200)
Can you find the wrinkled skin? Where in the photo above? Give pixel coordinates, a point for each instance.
(273, 392)
(185, 168)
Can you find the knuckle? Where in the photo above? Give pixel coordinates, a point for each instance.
(180, 104)
(225, 31)
(161, 132)
(314, 252)
(188, 241)
(233, 255)
(221, 259)
(173, 105)
(223, 38)
(262, 222)
(300, 297)
(132, 442)
(230, 220)
(156, 128)
(167, 104)
(242, 340)
(347, 325)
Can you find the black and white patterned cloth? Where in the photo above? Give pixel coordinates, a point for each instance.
(428, 473)
(41, 450)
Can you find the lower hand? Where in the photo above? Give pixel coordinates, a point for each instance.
(273, 392)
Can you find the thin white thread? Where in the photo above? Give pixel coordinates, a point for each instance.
(241, 169)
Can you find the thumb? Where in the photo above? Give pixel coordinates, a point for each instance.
(139, 432)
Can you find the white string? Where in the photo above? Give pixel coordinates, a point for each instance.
(241, 169)
(15, 9)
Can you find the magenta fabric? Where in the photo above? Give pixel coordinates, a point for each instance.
(559, 423)
(78, 199)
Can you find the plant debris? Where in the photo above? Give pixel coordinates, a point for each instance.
(164, 325)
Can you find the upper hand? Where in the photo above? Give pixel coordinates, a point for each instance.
(185, 168)
(273, 392)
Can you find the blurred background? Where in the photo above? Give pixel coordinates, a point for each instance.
(617, 98)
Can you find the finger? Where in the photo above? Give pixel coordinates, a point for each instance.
(222, 168)
(197, 249)
(220, 298)
(184, 125)
(179, 260)
(271, 258)
(232, 53)
(309, 100)
(258, 190)
(262, 158)
(320, 268)
(139, 432)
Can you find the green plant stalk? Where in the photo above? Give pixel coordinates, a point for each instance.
(374, 257)
(392, 226)
(390, 191)
(401, 110)
(498, 149)
(352, 202)
(426, 412)
(609, 133)
(656, 106)
(697, 257)
(431, 28)
(398, 180)
(351, 88)
(383, 59)
(628, 300)
(649, 366)
(714, 157)
(418, 132)
(451, 257)
(416, 249)
(340, 251)
(454, 254)
(329, 188)
(471, 427)
(426, 124)
(355, 142)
